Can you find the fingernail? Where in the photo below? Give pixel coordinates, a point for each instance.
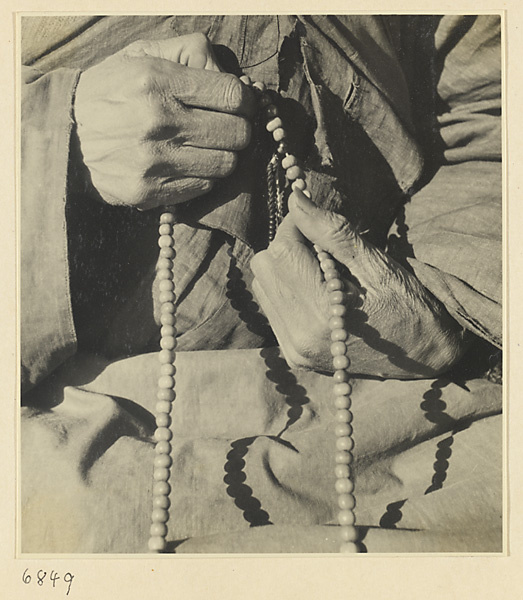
(302, 202)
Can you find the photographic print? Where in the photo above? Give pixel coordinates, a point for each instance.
(261, 284)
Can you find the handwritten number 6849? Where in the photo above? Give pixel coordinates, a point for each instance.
(53, 577)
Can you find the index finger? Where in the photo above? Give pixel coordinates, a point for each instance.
(212, 90)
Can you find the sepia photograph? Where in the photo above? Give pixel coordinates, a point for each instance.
(261, 284)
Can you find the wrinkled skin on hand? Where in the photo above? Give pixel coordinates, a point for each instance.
(159, 123)
(396, 328)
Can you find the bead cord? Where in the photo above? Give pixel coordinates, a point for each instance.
(281, 161)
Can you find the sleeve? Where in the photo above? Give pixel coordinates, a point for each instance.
(47, 328)
(454, 223)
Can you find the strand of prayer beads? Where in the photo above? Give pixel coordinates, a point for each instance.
(295, 177)
(165, 394)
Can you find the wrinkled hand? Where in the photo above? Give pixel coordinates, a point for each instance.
(159, 123)
(396, 327)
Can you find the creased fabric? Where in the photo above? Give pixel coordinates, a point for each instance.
(253, 444)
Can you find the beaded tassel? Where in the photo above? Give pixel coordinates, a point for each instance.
(165, 393)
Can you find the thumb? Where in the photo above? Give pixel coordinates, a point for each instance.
(333, 233)
(194, 50)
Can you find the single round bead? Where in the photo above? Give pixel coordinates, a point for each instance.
(163, 461)
(342, 471)
(282, 148)
(246, 80)
(162, 448)
(337, 297)
(348, 533)
(164, 275)
(342, 457)
(294, 172)
(167, 217)
(165, 395)
(343, 486)
(334, 285)
(164, 263)
(289, 161)
(345, 517)
(342, 402)
(342, 389)
(340, 376)
(157, 544)
(159, 515)
(274, 124)
(165, 241)
(158, 530)
(330, 274)
(340, 362)
(165, 229)
(321, 255)
(166, 356)
(338, 348)
(349, 548)
(259, 85)
(299, 184)
(345, 443)
(161, 502)
(161, 488)
(167, 318)
(166, 382)
(271, 111)
(342, 430)
(343, 416)
(167, 297)
(167, 331)
(278, 134)
(163, 434)
(167, 252)
(168, 342)
(166, 285)
(161, 474)
(163, 406)
(167, 369)
(339, 335)
(327, 264)
(163, 419)
(346, 501)
(336, 322)
(168, 307)
(337, 310)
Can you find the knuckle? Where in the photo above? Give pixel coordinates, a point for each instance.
(144, 80)
(136, 48)
(205, 185)
(243, 134)
(296, 357)
(233, 93)
(280, 251)
(199, 40)
(340, 229)
(229, 162)
(136, 192)
(151, 120)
